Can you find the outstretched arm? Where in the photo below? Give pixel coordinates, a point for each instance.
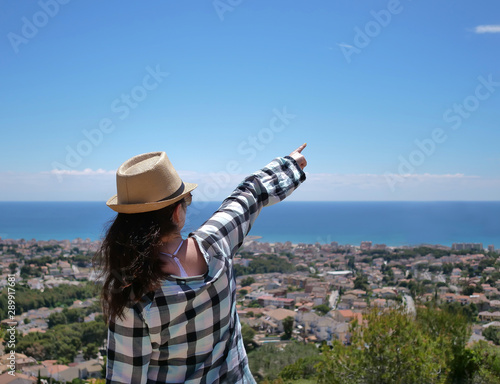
(230, 224)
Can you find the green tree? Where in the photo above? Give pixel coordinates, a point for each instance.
(302, 268)
(470, 311)
(248, 334)
(264, 264)
(254, 304)
(9, 347)
(74, 315)
(390, 349)
(247, 281)
(93, 331)
(435, 268)
(36, 350)
(350, 262)
(450, 328)
(303, 368)
(288, 327)
(82, 260)
(26, 271)
(322, 309)
(268, 361)
(492, 334)
(416, 288)
(467, 291)
(361, 282)
(90, 351)
(487, 363)
(56, 318)
(13, 268)
(62, 341)
(447, 268)
(64, 295)
(388, 276)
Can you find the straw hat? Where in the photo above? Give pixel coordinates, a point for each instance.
(147, 182)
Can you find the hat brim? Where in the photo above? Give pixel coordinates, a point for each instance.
(148, 207)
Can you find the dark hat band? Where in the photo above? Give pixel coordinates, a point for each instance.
(177, 193)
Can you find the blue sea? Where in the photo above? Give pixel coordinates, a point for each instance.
(391, 223)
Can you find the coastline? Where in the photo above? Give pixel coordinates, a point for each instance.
(394, 224)
(252, 242)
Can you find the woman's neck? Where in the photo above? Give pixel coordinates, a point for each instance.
(171, 239)
(171, 236)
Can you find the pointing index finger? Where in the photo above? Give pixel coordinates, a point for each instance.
(299, 149)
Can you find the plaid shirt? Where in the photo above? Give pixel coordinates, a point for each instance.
(188, 331)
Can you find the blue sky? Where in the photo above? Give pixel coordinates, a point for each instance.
(397, 100)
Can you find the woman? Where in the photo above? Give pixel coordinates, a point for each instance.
(171, 302)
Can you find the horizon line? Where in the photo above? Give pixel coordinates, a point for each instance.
(288, 201)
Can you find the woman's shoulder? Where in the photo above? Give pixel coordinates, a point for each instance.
(195, 262)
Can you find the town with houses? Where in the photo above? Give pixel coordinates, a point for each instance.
(322, 290)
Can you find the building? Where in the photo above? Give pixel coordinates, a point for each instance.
(489, 316)
(346, 316)
(19, 378)
(366, 245)
(339, 273)
(324, 329)
(277, 302)
(274, 319)
(467, 246)
(295, 280)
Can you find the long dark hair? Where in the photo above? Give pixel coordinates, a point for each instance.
(128, 261)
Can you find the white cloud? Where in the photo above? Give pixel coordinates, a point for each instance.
(413, 187)
(487, 29)
(84, 185)
(99, 185)
(85, 172)
(433, 176)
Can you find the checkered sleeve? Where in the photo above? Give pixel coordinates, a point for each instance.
(230, 224)
(129, 349)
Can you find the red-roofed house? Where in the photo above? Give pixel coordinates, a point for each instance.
(276, 301)
(346, 315)
(18, 378)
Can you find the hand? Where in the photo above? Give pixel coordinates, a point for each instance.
(299, 157)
